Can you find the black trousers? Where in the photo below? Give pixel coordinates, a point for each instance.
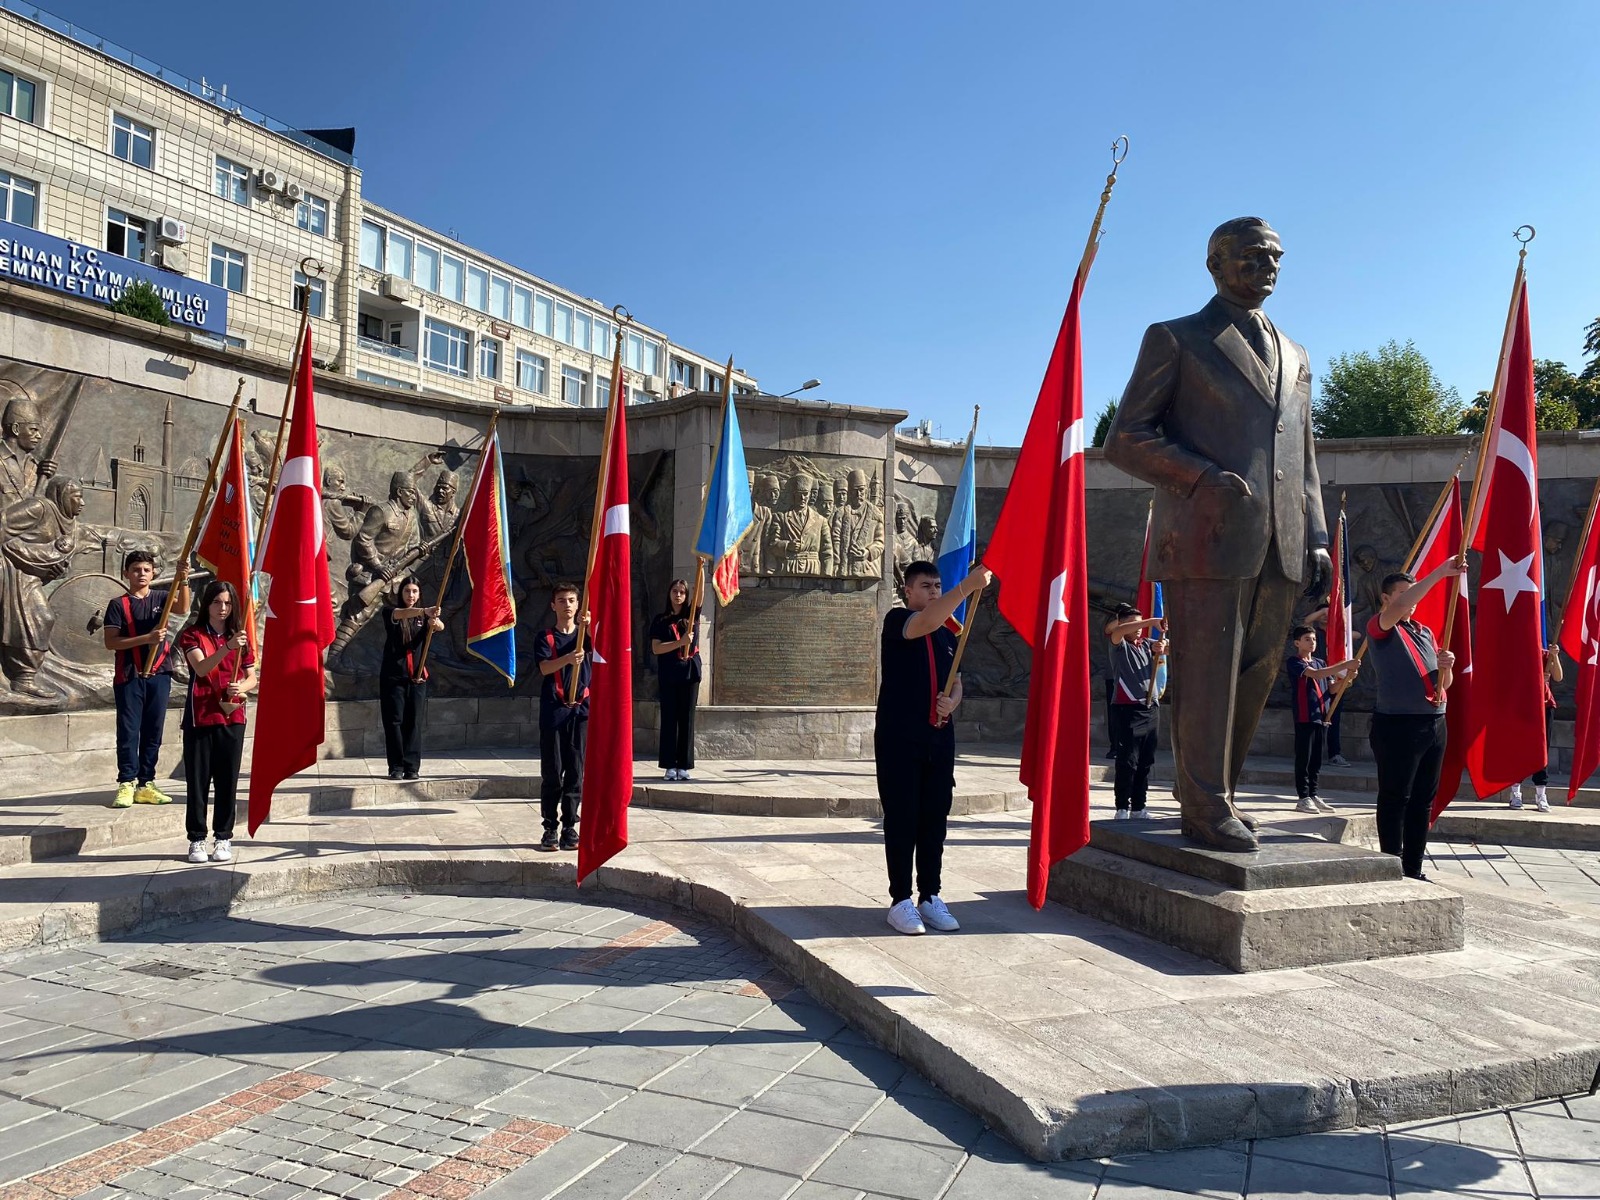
(405, 714)
(1409, 751)
(141, 714)
(561, 771)
(211, 755)
(1133, 741)
(916, 783)
(1308, 739)
(677, 724)
(1541, 777)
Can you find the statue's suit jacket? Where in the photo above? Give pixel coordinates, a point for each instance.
(1201, 397)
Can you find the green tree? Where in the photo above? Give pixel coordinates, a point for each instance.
(1393, 393)
(1102, 423)
(140, 299)
(1591, 348)
(1562, 400)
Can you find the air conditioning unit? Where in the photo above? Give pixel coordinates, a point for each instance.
(173, 230)
(396, 288)
(292, 190)
(269, 180)
(175, 258)
(651, 384)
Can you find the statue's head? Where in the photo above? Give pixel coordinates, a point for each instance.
(902, 518)
(402, 490)
(444, 487)
(799, 489)
(1366, 558)
(928, 531)
(858, 488)
(768, 489)
(841, 489)
(1242, 257)
(66, 494)
(333, 479)
(21, 423)
(822, 497)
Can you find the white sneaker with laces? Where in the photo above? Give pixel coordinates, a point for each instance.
(1306, 805)
(1540, 800)
(1322, 805)
(1516, 796)
(935, 915)
(903, 918)
(672, 774)
(1339, 760)
(197, 852)
(1122, 814)
(222, 851)
(683, 776)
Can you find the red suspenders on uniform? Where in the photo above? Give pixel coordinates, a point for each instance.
(1409, 642)
(555, 676)
(128, 667)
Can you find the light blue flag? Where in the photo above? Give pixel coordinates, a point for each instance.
(959, 546)
(729, 510)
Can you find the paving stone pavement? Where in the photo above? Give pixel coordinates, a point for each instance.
(445, 1046)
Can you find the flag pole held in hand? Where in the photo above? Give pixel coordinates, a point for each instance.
(455, 546)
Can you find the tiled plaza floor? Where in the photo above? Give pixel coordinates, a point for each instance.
(414, 1045)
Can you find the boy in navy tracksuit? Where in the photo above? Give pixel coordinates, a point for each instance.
(143, 678)
(1308, 693)
(563, 718)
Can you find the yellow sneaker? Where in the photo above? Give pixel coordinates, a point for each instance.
(151, 794)
(124, 795)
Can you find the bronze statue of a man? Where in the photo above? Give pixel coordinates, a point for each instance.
(387, 531)
(1217, 416)
(21, 433)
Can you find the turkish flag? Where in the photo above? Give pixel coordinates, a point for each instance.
(1580, 638)
(290, 714)
(1441, 543)
(1506, 738)
(1038, 553)
(224, 541)
(608, 759)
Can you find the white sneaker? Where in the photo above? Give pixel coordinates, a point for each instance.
(672, 773)
(935, 915)
(1306, 805)
(1540, 800)
(1122, 814)
(1339, 760)
(1139, 814)
(197, 852)
(222, 851)
(903, 918)
(1322, 805)
(683, 776)
(1516, 796)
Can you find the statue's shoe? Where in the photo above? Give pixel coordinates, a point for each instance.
(1246, 819)
(1228, 834)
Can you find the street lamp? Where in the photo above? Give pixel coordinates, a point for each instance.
(804, 387)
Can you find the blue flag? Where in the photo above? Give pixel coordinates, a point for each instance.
(959, 546)
(729, 512)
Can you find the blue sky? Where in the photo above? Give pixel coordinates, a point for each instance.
(893, 196)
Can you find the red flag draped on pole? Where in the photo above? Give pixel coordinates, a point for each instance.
(1505, 739)
(1038, 552)
(608, 758)
(1580, 638)
(1441, 543)
(224, 541)
(1340, 642)
(290, 714)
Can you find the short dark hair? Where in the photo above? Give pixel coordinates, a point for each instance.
(1299, 631)
(917, 570)
(133, 557)
(1125, 610)
(1224, 235)
(565, 585)
(1393, 579)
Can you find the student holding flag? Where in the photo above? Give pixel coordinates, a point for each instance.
(1134, 712)
(222, 672)
(675, 642)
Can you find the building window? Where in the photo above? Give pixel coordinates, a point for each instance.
(477, 288)
(713, 382)
(133, 142)
(311, 214)
(19, 97)
(19, 200)
(522, 306)
(574, 386)
(372, 246)
(533, 372)
(582, 325)
(500, 298)
(233, 180)
(227, 268)
(319, 289)
(427, 267)
(541, 315)
(564, 323)
(685, 374)
(452, 278)
(385, 380)
(127, 236)
(602, 392)
(488, 358)
(602, 337)
(445, 348)
(397, 255)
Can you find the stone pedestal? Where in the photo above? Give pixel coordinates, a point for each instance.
(1297, 902)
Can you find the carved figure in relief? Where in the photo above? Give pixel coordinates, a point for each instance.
(38, 537)
(798, 541)
(438, 510)
(905, 541)
(928, 538)
(860, 552)
(387, 532)
(341, 508)
(21, 433)
(764, 495)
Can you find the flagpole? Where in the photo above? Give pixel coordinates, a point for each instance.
(700, 560)
(972, 608)
(1411, 555)
(194, 522)
(455, 545)
(1119, 151)
(306, 267)
(249, 571)
(1144, 566)
(618, 396)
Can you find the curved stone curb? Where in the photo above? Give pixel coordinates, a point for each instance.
(971, 1055)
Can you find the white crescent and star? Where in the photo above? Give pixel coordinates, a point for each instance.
(300, 472)
(1515, 577)
(1056, 609)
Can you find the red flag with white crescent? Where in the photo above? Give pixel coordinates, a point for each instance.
(1580, 638)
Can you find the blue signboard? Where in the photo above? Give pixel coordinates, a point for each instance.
(42, 259)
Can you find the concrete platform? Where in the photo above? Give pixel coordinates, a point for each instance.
(1075, 1038)
(1297, 902)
